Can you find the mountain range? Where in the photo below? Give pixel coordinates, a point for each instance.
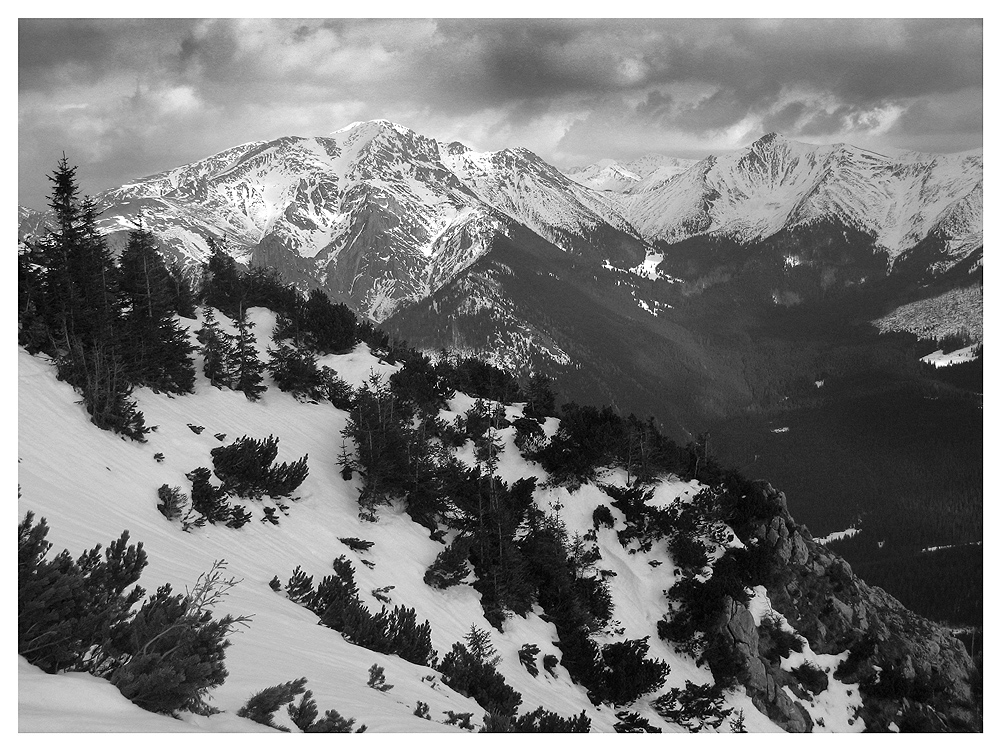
(773, 308)
(616, 276)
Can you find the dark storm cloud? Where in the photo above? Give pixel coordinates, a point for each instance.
(133, 96)
(52, 52)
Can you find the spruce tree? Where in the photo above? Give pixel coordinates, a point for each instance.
(541, 401)
(222, 284)
(182, 291)
(481, 646)
(77, 300)
(249, 368)
(218, 351)
(159, 352)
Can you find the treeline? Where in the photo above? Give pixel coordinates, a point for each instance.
(108, 326)
(111, 326)
(522, 556)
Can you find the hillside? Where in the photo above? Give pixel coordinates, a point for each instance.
(90, 485)
(102, 484)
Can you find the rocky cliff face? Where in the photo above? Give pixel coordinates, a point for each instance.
(912, 674)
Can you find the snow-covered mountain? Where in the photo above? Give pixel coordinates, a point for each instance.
(776, 183)
(382, 217)
(377, 214)
(610, 175)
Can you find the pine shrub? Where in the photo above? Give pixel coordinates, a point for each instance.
(527, 654)
(541, 720)
(334, 722)
(207, 499)
(246, 468)
(811, 677)
(603, 517)
(295, 371)
(474, 679)
(449, 567)
(775, 642)
(260, 707)
(172, 651)
(358, 545)
(172, 502)
(463, 720)
(238, 517)
(66, 607)
(634, 723)
(376, 679)
(694, 707)
(299, 587)
(305, 713)
(628, 674)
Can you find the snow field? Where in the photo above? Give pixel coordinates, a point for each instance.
(90, 485)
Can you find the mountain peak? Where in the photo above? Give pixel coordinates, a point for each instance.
(768, 140)
(379, 124)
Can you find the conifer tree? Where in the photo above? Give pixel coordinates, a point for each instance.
(73, 293)
(222, 286)
(541, 401)
(182, 290)
(159, 353)
(249, 369)
(217, 349)
(481, 646)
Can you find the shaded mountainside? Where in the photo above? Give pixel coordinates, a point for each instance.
(527, 307)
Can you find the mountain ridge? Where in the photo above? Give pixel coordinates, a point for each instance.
(381, 216)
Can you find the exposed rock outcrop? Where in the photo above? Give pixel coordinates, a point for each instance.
(910, 671)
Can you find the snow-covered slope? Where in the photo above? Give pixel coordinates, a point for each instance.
(955, 312)
(775, 183)
(518, 183)
(90, 485)
(610, 175)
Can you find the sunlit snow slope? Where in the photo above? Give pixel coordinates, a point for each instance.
(90, 485)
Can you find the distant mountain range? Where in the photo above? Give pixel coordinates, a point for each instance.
(502, 254)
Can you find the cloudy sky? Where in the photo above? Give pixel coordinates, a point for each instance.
(127, 98)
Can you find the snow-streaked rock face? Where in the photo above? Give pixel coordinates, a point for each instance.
(775, 183)
(382, 217)
(370, 212)
(375, 213)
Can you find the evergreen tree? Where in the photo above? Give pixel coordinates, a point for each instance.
(218, 351)
(158, 349)
(249, 368)
(32, 332)
(540, 400)
(481, 646)
(182, 293)
(379, 425)
(222, 286)
(77, 298)
(330, 327)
